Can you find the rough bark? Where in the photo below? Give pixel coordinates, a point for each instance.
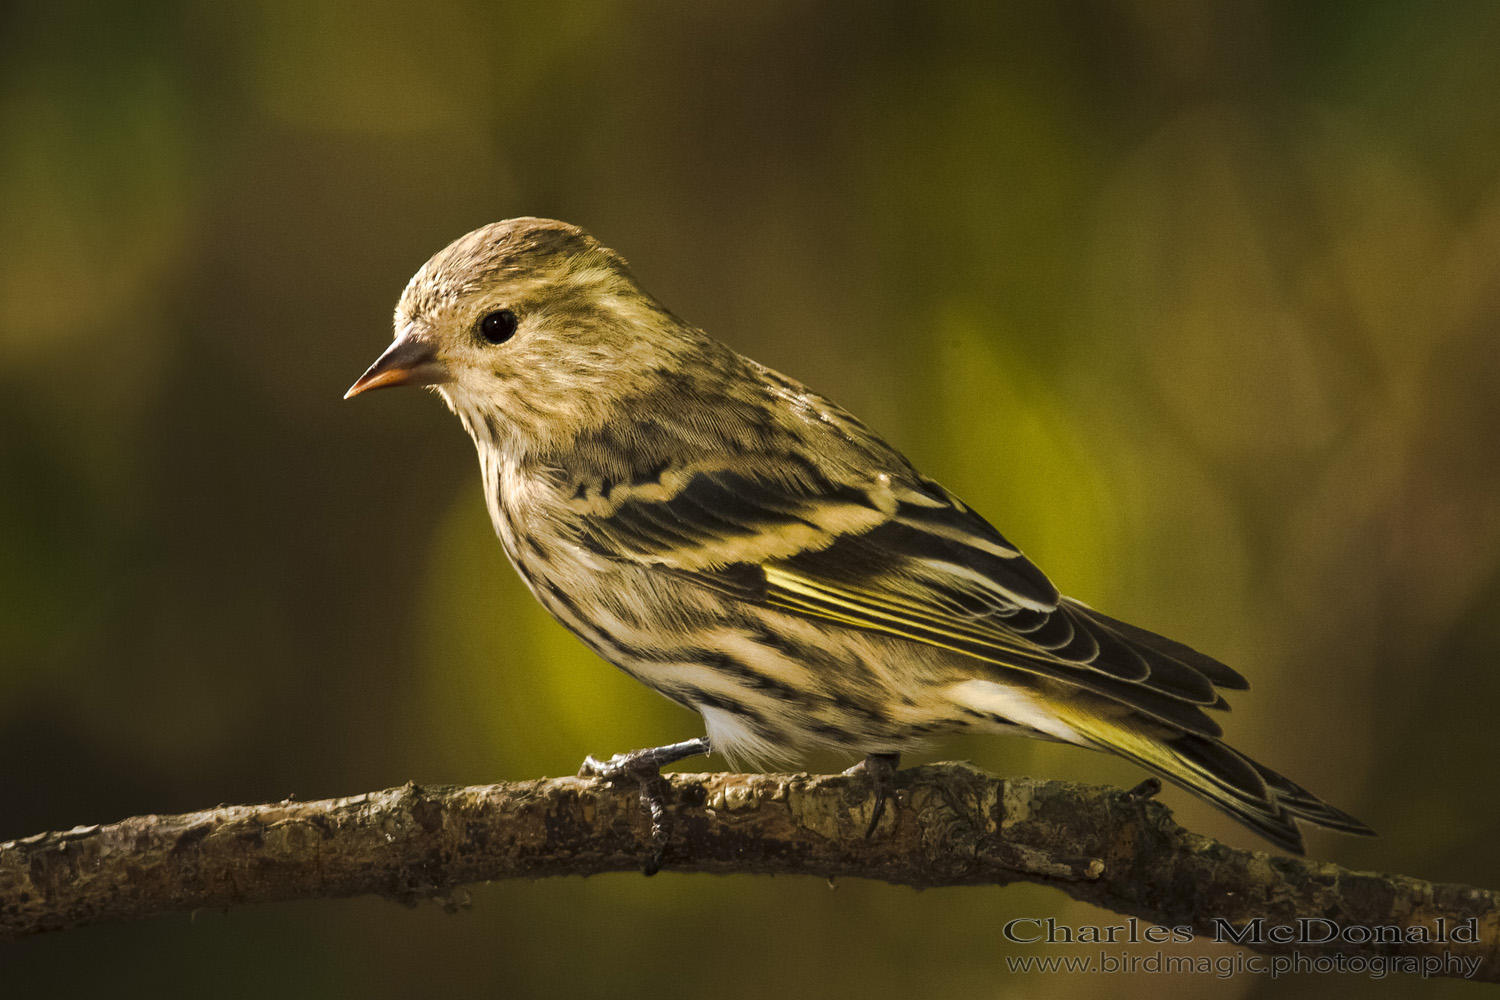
(949, 824)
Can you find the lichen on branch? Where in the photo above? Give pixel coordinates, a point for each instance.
(949, 824)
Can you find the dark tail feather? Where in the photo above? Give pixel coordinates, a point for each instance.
(1305, 805)
(1254, 794)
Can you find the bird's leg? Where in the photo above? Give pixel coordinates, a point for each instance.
(881, 768)
(644, 768)
(1145, 790)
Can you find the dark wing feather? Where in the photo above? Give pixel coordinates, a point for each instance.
(902, 559)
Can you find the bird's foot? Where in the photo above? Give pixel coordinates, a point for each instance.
(1145, 790)
(881, 769)
(644, 768)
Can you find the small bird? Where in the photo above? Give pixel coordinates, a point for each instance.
(754, 552)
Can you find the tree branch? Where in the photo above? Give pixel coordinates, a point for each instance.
(950, 824)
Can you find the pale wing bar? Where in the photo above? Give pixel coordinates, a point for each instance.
(924, 568)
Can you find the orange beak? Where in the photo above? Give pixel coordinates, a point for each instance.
(411, 360)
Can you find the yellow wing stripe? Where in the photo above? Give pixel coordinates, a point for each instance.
(870, 610)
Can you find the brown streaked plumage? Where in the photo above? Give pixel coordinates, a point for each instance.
(751, 550)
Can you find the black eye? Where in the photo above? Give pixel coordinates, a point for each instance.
(499, 326)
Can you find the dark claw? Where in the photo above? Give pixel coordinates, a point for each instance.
(654, 800)
(644, 768)
(881, 767)
(1145, 790)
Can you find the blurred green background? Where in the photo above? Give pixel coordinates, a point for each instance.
(1197, 302)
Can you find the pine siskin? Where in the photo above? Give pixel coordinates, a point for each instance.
(752, 551)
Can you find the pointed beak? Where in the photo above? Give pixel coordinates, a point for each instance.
(411, 360)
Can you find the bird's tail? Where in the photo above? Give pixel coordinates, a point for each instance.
(1252, 793)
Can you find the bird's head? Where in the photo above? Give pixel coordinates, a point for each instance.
(531, 328)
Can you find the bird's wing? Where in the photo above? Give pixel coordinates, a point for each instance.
(896, 555)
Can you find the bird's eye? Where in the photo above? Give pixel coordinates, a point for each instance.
(498, 326)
